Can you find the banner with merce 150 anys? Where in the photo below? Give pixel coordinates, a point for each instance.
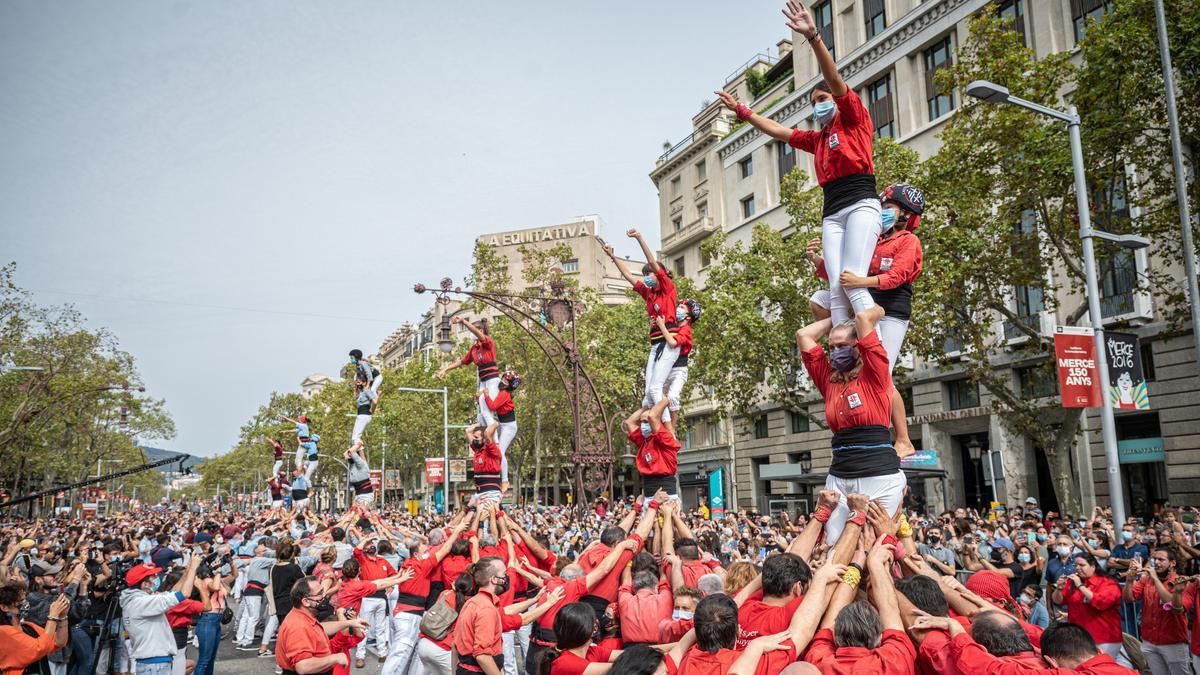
(1075, 358)
(435, 469)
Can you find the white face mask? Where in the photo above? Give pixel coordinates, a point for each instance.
(680, 614)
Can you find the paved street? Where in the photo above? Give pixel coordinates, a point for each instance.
(233, 662)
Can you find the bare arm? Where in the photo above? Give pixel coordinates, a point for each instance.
(764, 124)
(883, 591)
(662, 326)
(809, 336)
(620, 265)
(645, 248)
(802, 22)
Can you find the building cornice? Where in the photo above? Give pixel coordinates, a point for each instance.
(683, 156)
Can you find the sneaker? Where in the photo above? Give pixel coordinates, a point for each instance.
(246, 647)
(278, 670)
(263, 655)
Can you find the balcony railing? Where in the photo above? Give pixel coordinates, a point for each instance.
(757, 58)
(676, 148)
(687, 233)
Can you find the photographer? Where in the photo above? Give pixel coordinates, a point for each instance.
(21, 643)
(145, 612)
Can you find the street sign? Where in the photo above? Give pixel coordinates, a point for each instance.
(391, 479)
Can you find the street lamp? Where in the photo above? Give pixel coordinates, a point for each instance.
(444, 342)
(975, 450)
(990, 92)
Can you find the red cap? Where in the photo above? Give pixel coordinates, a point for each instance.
(989, 585)
(139, 573)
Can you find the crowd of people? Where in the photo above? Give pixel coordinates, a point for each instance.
(639, 586)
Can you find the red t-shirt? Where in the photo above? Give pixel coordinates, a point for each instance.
(607, 587)
(895, 655)
(502, 404)
(1102, 616)
(452, 566)
(844, 146)
(863, 401)
(756, 618)
(896, 261)
(570, 664)
(573, 590)
(659, 302)
(1159, 626)
(683, 338)
(698, 662)
(592, 557)
(658, 455)
(487, 459)
(418, 586)
(183, 613)
(373, 567)
(353, 591)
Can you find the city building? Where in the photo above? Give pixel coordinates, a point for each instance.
(587, 264)
(314, 383)
(726, 176)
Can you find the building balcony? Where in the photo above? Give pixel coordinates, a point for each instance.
(694, 231)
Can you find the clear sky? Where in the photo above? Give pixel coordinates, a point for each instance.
(243, 191)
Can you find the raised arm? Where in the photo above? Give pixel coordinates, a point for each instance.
(620, 264)
(608, 563)
(799, 20)
(810, 336)
(827, 501)
(883, 591)
(764, 124)
(645, 247)
(471, 328)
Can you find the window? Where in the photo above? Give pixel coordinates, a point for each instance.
(760, 427)
(702, 209)
(676, 187)
(1014, 12)
(716, 435)
(798, 420)
(705, 258)
(875, 16)
(1029, 300)
(786, 157)
(571, 266)
(677, 224)
(1083, 11)
(1118, 270)
(748, 207)
(962, 394)
(679, 269)
(822, 15)
(747, 167)
(701, 171)
(937, 57)
(879, 104)
(1147, 350)
(1037, 381)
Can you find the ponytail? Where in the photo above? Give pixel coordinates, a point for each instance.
(463, 587)
(546, 660)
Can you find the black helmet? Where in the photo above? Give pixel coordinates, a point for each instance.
(693, 309)
(910, 200)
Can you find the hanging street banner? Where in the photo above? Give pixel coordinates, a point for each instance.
(391, 479)
(458, 470)
(1075, 356)
(435, 471)
(376, 480)
(1126, 381)
(716, 491)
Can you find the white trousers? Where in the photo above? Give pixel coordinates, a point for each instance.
(505, 435)
(674, 389)
(360, 425)
(309, 469)
(269, 630)
(374, 610)
(1167, 659)
(376, 384)
(179, 662)
(523, 634)
(1117, 651)
(887, 490)
(401, 658)
(508, 642)
(434, 659)
(890, 329)
(251, 610)
(492, 385)
(278, 465)
(848, 239)
(658, 369)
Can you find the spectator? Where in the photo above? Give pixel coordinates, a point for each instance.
(144, 609)
(23, 644)
(1091, 597)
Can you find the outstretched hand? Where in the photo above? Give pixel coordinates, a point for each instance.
(799, 20)
(727, 99)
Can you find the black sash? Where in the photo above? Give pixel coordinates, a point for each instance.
(362, 487)
(844, 191)
(510, 416)
(488, 370)
(469, 660)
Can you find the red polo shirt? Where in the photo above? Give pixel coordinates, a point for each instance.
(452, 566)
(373, 567)
(352, 593)
(1159, 626)
(483, 354)
(300, 637)
(658, 455)
(896, 261)
(895, 655)
(487, 459)
(862, 401)
(972, 658)
(1101, 617)
(661, 301)
(698, 662)
(756, 618)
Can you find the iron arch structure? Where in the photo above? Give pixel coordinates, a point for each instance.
(592, 452)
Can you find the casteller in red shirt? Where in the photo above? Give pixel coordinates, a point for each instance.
(658, 455)
(483, 354)
(844, 146)
(696, 661)
(660, 301)
(895, 655)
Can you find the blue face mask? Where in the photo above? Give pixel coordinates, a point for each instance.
(1023, 558)
(889, 219)
(680, 314)
(645, 427)
(1127, 536)
(157, 585)
(650, 280)
(823, 112)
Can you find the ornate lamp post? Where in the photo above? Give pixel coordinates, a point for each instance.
(534, 313)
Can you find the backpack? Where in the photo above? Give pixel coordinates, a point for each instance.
(439, 619)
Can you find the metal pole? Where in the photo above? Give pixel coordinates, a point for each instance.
(1181, 196)
(445, 450)
(1108, 427)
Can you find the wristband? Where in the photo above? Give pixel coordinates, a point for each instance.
(821, 515)
(905, 530)
(858, 518)
(743, 112)
(851, 577)
(637, 507)
(889, 540)
(654, 504)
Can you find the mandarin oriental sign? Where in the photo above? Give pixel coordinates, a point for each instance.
(582, 228)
